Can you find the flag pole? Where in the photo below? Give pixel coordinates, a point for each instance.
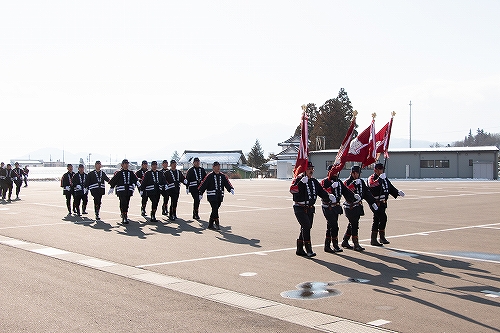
(393, 113)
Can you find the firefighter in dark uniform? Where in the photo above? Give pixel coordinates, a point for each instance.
(194, 176)
(214, 183)
(174, 179)
(153, 183)
(381, 188)
(95, 184)
(164, 206)
(124, 182)
(7, 183)
(354, 209)
(140, 175)
(3, 174)
(332, 209)
(67, 185)
(18, 179)
(305, 189)
(80, 190)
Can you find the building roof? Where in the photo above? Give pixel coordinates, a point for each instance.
(223, 157)
(294, 140)
(425, 150)
(288, 153)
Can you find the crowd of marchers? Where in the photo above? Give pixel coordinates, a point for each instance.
(305, 189)
(152, 183)
(12, 176)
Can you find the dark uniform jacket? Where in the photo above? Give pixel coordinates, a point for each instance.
(337, 191)
(214, 184)
(3, 174)
(19, 175)
(95, 182)
(306, 194)
(124, 182)
(67, 182)
(174, 179)
(153, 182)
(79, 180)
(194, 177)
(358, 186)
(381, 189)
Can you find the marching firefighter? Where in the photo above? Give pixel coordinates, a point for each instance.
(381, 188)
(332, 209)
(354, 209)
(124, 181)
(153, 183)
(18, 179)
(165, 194)
(67, 185)
(305, 189)
(194, 176)
(140, 175)
(79, 181)
(214, 183)
(7, 182)
(174, 178)
(95, 184)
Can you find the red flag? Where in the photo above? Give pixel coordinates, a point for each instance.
(361, 145)
(381, 144)
(302, 156)
(340, 159)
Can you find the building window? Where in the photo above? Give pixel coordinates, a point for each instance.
(471, 163)
(425, 164)
(442, 163)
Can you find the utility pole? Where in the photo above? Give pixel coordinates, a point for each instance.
(410, 124)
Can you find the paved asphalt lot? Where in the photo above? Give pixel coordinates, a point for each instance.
(441, 272)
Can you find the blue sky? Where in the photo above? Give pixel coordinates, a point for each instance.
(142, 79)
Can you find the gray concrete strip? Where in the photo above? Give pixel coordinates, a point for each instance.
(303, 317)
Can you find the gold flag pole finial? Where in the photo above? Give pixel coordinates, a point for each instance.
(374, 115)
(354, 114)
(393, 113)
(304, 107)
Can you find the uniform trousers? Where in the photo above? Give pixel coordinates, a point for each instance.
(379, 218)
(124, 202)
(353, 214)
(215, 204)
(305, 216)
(80, 197)
(196, 198)
(155, 199)
(332, 221)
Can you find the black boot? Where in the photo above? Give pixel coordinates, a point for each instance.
(124, 218)
(345, 242)
(97, 218)
(300, 248)
(211, 224)
(357, 247)
(217, 227)
(143, 211)
(335, 243)
(171, 215)
(153, 217)
(195, 214)
(327, 248)
(78, 211)
(309, 251)
(373, 240)
(382, 237)
(84, 209)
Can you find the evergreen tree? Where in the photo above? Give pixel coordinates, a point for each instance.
(312, 113)
(175, 156)
(256, 156)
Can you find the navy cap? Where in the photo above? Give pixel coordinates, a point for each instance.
(379, 166)
(144, 162)
(356, 168)
(153, 163)
(215, 163)
(196, 159)
(124, 161)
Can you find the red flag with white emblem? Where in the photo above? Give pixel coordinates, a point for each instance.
(340, 159)
(362, 145)
(303, 155)
(381, 143)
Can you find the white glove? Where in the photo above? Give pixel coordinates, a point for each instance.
(401, 193)
(357, 197)
(78, 187)
(141, 193)
(335, 184)
(185, 182)
(232, 191)
(67, 188)
(85, 190)
(138, 183)
(357, 181)
(111, 189)
(304, 179)
(383, 176)
(332, 198)
(187, 190)
(201, 196)
(375, 207)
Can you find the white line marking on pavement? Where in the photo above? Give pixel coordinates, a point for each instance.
(378, 322)
(291, 314)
